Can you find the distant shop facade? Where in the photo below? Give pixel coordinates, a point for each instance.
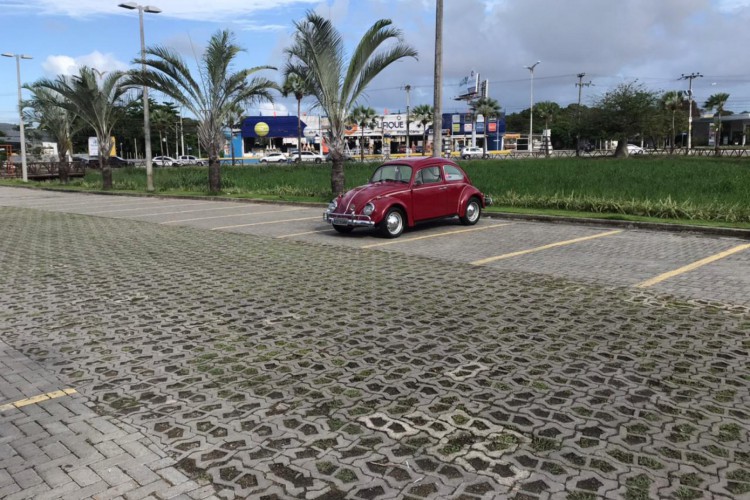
(388, 133)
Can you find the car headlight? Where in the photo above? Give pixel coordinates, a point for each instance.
(332, 206)
(368, 209)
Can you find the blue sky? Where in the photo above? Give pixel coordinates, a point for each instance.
(612, 41)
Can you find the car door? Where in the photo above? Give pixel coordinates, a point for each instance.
(427, 194)
(455, 182)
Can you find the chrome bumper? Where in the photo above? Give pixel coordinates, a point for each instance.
(487, 201)
(348, 220)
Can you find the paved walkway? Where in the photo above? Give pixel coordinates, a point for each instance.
(209, 363)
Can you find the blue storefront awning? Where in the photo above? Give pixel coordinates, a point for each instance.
(278, 126)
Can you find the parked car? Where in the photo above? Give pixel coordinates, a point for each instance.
(347, 157)
(635, 150)
(191, 160)
(406, 191)
(470, 152)
(114, 161)
(307, 156)
(165, 161)
(274, 158)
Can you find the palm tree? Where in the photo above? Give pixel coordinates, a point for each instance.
(98, 102)
(45, 109)
(294, 84)
(424, 114)
(317, 56)
(211, 97)
(717, 101)
(547, 111)
(363, 116)
(672, 102)
(488, 108)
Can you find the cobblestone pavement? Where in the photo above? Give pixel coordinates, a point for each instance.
(268, 368)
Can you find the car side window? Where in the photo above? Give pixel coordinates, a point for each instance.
(428, 175)
(452, 173)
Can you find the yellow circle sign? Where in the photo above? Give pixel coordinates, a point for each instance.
(261, 129)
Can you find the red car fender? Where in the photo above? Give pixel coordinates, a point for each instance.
(467, 193)
(378, 215)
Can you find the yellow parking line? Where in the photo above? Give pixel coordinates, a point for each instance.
(246, 214)
(302, 234)
(545, 247)
(37, 399)
(262, 223)
(446, 233)
(691, 267)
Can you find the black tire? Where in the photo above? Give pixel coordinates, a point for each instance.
(473, 212)
(393, 224)
(343, 229)
(466, 157)
(318, 160)
(264, 161)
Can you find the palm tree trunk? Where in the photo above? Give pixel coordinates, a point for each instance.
(671, 140)
(106, 175)
(362, 145)
(337, 175)
(214, 175)
(717, 136)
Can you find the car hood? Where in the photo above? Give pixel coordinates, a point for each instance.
(361, 195)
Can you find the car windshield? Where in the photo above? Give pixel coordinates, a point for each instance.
(397, 173)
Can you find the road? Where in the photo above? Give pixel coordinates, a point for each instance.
(221, 349)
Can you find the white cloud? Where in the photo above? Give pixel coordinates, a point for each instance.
(67, 65)
(197, 10)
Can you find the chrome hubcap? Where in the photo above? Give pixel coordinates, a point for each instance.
(472, 211)
(393, 223)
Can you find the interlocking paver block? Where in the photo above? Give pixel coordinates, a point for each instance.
(261, 367)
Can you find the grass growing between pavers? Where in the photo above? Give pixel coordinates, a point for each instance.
(705, 191)
(267, 358)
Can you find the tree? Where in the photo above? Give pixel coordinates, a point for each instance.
(424, 114)
(547, 111)
(363, 116)
(317, 56)
(717, 101)
(45, 109)
(626, 111)
(672, 102)
(488, 108)
(99, 102)
(294, 84)
(212, 96)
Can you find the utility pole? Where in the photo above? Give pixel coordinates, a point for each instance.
(690, 79)
(408, 141)
(531, 107)
(580, 86)
(437, 118)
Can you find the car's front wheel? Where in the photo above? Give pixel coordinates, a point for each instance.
(392, 224)
(318, 160)
(472, 213)
(343, 229)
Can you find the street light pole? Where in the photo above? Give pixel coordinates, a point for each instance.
(580, 86)
(22, 133)
(531, 106)
(690, 78)
(408, 89)
(146, 126)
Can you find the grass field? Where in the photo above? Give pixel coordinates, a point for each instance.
(703, 190)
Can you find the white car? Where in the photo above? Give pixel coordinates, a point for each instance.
(470, 152)
(307, 156)
(635, 150)
(191, 160)
(164, 161)
(274, 158)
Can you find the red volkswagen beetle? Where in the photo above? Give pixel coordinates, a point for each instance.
(406, 191)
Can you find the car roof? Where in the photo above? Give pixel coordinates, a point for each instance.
(420, 161)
